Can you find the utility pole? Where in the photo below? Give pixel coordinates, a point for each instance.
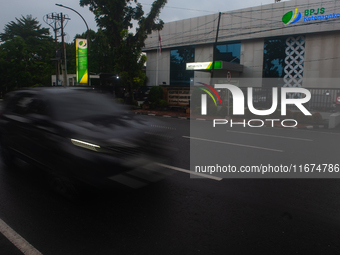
(57, 22)
(57, 53)
(63, 62)
(215, 44)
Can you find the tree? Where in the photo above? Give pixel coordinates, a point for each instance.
(25, 27)
(114, 18)
(25, 54)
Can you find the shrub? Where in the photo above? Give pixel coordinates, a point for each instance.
(276, 114)
(316, 117)
(162, 103)
(212, 110)
(120, 100)
(295, 115)
(155, 94)
(197, 110)
(289, 114)
(248, 114)
(223, 111)
(301, 118)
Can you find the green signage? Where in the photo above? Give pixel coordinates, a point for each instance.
(81, 60)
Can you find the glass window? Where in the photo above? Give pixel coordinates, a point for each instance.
(178, 59)
(283, 60)
(230, 52)
(274, 58)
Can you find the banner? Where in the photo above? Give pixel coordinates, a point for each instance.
(81, 60)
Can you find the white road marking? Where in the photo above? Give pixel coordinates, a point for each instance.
(235, 144)
(276, 136)
(190, 172)
(163, 127)
(19, 242)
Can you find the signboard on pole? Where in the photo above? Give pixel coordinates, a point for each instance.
(81, 60)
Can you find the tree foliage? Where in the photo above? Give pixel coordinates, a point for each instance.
(25, 54)
(114, 18)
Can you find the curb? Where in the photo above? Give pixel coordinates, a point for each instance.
(312, 127)
(165, 116)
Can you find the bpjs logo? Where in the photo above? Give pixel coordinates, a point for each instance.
(291, 17)
(239, 103)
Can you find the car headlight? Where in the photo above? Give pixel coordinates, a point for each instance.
(85, 145)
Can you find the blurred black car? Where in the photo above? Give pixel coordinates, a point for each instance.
(77, 135)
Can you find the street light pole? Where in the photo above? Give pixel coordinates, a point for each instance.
(88, 41)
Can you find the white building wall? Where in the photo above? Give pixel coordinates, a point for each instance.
(71, 79)
(322, 60)
(163, 67)
(251, 26)
(252, 60)
(251, 23)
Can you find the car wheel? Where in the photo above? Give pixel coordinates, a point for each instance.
(64, 187)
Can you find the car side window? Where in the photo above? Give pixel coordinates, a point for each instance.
(19, 104)
(25, 104)
(37, 106)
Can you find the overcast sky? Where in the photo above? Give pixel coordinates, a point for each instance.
(174, 10)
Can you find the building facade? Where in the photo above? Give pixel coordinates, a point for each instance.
(286, 44)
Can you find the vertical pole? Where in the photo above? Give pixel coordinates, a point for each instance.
(63, 66)
(88, 61)
(214, 49)
(56, 51)
(157, 68)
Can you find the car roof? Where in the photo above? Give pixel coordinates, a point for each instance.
(58, 89)
(52, 90)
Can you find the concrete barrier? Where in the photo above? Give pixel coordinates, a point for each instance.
(334, 120)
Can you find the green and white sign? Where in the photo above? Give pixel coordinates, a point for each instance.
(203, 65)
(81, 60)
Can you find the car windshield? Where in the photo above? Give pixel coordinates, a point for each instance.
(79, 105)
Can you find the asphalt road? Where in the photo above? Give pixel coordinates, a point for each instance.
(183, 215)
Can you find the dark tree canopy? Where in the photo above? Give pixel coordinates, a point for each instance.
(25, 54)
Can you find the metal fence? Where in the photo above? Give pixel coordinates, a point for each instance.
(321, 99)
